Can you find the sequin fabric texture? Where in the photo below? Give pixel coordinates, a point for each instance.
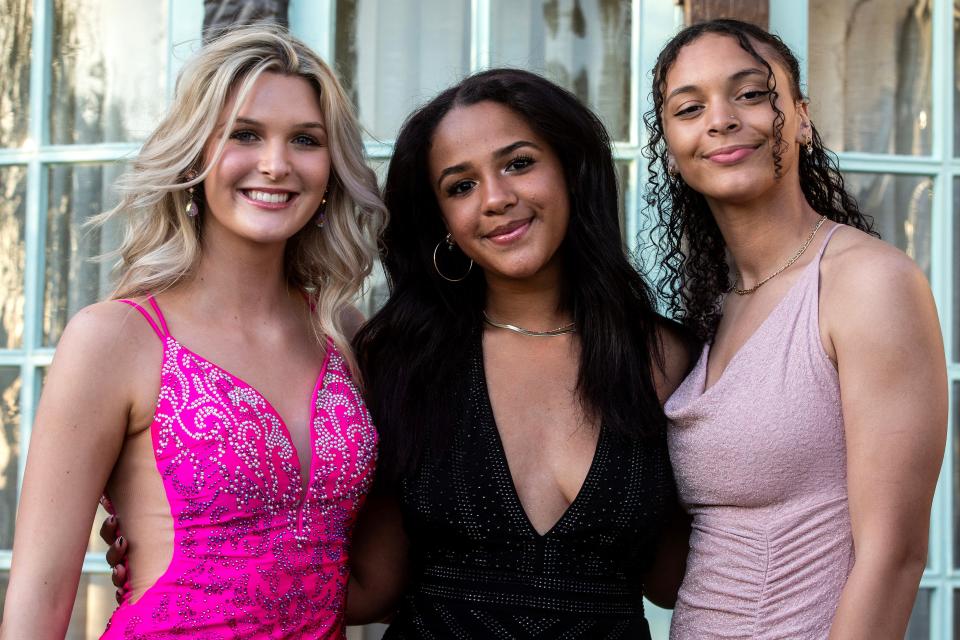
(481, 570)
(254, 554)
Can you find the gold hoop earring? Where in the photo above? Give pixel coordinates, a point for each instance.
(450, 245)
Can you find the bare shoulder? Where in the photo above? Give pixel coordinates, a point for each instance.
(106, 337)
(352, 319)
(859, 270)
(678, 348)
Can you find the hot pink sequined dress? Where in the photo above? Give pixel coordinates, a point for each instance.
(254, 556)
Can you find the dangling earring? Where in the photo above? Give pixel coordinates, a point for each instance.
(808, 144)
(672, 168)
(450, 245)
(321, 218)
(192, 209)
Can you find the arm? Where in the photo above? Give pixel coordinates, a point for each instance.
(80, 426)
(893, 390)
(379, 562)
(662, 580)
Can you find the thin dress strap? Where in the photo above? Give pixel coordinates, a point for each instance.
(826, 241)
(163, 321)
(146, 314)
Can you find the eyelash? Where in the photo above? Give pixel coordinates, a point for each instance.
(246, 136)
(454, 189)
(754, 95)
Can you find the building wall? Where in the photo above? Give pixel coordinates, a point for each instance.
(75, 103)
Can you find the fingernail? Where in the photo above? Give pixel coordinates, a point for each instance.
(120, 541)
(113, 571)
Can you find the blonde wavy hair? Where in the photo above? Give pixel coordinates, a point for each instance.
(161, 244)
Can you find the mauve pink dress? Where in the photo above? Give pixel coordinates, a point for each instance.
(760, 463)
(254, 554)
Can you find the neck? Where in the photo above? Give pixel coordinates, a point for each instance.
(764, 234)
(534, 304)
(238, 279)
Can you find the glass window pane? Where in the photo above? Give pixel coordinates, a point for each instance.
(9, 451)
(393, 56)
(583, 45)
(865, 97)
(956, 268)
(919, 626)
(956, 87)
(99, 92)
(16, 21)
(901, 209)
(13, 192)
(955, 398)
(73, 280)
(94, 604)
(623, 185)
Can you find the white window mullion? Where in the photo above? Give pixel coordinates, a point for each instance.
(479, 35)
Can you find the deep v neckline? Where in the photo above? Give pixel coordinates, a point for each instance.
(704, 389)
(304, 480)
(504, 462)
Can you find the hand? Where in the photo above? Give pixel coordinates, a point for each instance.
(116, 554)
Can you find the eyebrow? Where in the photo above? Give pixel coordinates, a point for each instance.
(499, 153)
(302, 125)
(739, 75)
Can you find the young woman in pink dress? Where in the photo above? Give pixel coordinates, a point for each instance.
(212, 398)
(807, 440)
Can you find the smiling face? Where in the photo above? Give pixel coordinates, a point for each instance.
(501, 191)
(718, 122)
(271, 177)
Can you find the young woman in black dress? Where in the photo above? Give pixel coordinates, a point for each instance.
(516, 375)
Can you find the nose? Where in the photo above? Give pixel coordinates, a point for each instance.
(723, 121)
(498, 195)
(274, 161)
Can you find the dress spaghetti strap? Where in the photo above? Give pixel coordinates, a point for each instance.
(146, 314)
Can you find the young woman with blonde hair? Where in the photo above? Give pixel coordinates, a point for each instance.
(252, 223)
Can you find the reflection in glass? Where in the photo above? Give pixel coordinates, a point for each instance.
(92, 608)
(955, 400)
(13, 192)
(956, 269)
(16, 22)
(9, 451)
(623, 186)
(393, 56)
(956, 92)
(108, 77)
(901, 209)
(919, 626)
(865, 97)
(583, 45)
(73, 280)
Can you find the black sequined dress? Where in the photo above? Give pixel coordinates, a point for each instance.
(481, 570)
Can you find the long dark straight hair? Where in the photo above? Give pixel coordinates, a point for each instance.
(686, 239)
(412, 353)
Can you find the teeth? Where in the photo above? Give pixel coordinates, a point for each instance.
(271, 198)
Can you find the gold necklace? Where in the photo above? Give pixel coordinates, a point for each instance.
(559, 331)
(796, 256)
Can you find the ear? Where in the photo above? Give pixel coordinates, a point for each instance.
(672, 167)
(805, 130)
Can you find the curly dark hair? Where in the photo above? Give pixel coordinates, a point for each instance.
(685, 237)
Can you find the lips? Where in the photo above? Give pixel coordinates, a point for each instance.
(506, 233)
(731, 154)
